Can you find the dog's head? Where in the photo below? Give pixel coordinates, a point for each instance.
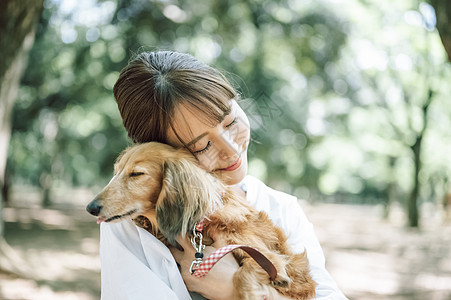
(162, 183)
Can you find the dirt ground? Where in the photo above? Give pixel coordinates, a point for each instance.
(57, 248)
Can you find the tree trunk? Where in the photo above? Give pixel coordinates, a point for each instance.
(412, 201)
(17, 30)
(45, 183)
(391, 191)
(443, 14)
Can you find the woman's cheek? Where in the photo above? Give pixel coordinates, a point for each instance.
(207, 162)
(243, 135)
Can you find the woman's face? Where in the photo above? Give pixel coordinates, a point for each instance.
(221, 149)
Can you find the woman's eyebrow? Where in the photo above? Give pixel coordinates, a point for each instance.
(197, 139)
(205, 133)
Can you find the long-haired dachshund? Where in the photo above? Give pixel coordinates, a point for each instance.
(168, 187)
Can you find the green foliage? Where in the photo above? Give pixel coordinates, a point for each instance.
(333, 90)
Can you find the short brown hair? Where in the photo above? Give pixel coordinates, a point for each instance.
(153, 83)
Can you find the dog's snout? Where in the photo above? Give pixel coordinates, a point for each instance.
(94, 207)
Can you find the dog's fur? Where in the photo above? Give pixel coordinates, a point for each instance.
(167, 186)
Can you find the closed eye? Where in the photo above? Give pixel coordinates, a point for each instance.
(232, 123)
(204, 149)
(136, 174)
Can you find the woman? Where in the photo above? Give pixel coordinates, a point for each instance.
(173, 98)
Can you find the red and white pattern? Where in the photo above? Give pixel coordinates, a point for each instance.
(208, 263)
(200, 226)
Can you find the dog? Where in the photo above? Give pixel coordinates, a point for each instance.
(165, 191)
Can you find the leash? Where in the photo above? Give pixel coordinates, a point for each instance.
(200, 267)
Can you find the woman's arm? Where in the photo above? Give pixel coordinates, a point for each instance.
(218, 283)
(286, 213)
(135, 265)
(302, 236)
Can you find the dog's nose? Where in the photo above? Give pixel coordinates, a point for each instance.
(94, 207)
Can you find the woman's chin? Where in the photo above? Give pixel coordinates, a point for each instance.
(231, 180)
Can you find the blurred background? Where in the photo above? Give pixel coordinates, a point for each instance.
(348, 107)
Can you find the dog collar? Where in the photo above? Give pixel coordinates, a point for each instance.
(204, 267)
(200, 226)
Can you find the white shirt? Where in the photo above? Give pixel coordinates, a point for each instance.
(135, 265)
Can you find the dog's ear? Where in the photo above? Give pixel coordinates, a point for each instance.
(188, 195)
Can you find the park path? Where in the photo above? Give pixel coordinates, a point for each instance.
(375, 259)
(368, 257)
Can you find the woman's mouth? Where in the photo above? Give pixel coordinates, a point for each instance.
(233, 166)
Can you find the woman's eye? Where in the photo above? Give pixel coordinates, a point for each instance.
(136, 174)
(204, 149)
(232, 123)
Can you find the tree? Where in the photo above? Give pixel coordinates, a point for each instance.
(388, 146)
(293, 58)
(75, 64)
(443, 14)
(17, 30)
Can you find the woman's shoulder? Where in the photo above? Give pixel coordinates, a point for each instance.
(257, 190)
(266, 198)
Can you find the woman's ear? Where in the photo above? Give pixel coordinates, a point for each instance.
(188, 195)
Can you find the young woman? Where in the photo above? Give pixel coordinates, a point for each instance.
(173, 98)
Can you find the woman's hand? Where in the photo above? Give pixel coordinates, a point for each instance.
(217, 284)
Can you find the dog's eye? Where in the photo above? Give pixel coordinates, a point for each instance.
(136, 174)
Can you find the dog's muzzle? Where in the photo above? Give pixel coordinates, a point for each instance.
(94, 207)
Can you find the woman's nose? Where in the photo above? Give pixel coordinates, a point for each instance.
(229, 147)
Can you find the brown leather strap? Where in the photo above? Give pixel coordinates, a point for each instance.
(262, 260)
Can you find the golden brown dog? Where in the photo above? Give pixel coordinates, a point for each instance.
(167, 186)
